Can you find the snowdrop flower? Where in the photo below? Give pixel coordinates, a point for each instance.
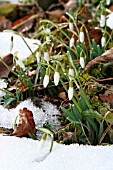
(20, 63)
(71, 27)
(103, 41)
(46, 57)
(42, 142)
(108, 2)
(102, 20)
(56, 76)
(48, 39)
(82, 62)
(38, 56)
(47, 31)
(81, 35)
(109, 21)
(71, 43)
(3, 85)
(70, 90)
(71, 73)
(46, 78)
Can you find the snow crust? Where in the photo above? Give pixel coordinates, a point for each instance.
(19, 154)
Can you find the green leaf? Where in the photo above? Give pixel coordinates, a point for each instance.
(83, 103)
(109, 117)
(101, 130)
(37, 73)
(9, 101)
(76, 113)
(69, 114)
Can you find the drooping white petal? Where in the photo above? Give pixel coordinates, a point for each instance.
(56, 78)
(70, 93)
(81, 37)
(82, 62)
(108, 2)
(41, 145)
(71, 72)
(103, 41)
(38, 56)
(102, 20)
(109, 21)
(46, 80)
(46, 56)
(71, 43)
(71, 27)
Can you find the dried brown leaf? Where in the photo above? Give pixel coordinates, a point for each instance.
(8, 59)
(26, 124)
(104, 58)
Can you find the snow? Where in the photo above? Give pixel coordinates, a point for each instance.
(19, 46)
(23, 154)
(19, 154)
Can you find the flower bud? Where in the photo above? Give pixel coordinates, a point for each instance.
(71, 73)
(81, 36)
(109, 21)
(38, 56)
(46, 57)
(70, 90)
(82, 62)
(46, 78)
(42, 142)
(56, 75)
(102, 20)
(71, 43)
(108, 2)
(103, 41)
(71, 27)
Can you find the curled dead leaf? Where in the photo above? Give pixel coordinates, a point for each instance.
(26, 124)
(104, 58)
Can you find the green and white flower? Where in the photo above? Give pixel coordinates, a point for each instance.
(70, 90)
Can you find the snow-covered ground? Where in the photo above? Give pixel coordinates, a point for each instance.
(23, 154)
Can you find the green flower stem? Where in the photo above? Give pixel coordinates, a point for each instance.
(110, 38)
(86, 33)
(74, 101)
(47, 131)
(52, 23)
(74, 21)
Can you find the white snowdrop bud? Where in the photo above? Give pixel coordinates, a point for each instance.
(71, 43)
(38, 56)
(46, 57)
(42, 142)
(109, 21)
(46, 78)
(71, 73)
(82, 62)
(56, 75)
(103, 41)
(70, 90)
(102, 20)
(56, 78)
(71, 27)
(48, 39)
(108, 2)
(81, 36)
